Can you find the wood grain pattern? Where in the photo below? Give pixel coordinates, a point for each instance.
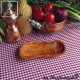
(35, 49)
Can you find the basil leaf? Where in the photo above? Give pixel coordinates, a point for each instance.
(2, 32)
(77, 7)
(0, 39)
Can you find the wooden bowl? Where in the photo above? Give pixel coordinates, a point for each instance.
(53, 27)
(36, 49)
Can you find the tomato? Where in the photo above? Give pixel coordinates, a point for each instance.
(48, 7)
(36, 7)
(38, 15)
(49, 18)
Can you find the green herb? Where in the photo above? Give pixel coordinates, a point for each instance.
(74, 16)
(68, 6)
(2, 32)
(2, 29)
(0, 39)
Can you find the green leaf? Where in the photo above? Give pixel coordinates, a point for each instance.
(31, 2)
(67, 6)
(71, 1)
(2, 32)
(77, 7)
(0, 39)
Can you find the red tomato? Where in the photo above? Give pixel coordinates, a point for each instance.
(48, 7)
(36, 7)
(38, 15)
(49, 18)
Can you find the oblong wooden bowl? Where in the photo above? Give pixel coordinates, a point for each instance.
(36, 49)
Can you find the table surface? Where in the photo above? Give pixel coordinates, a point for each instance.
(65, 67)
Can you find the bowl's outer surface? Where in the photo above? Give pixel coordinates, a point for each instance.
(55, 27)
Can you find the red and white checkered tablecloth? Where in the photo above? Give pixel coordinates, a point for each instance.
(65, 67)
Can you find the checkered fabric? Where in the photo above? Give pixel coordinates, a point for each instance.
(65, 67)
